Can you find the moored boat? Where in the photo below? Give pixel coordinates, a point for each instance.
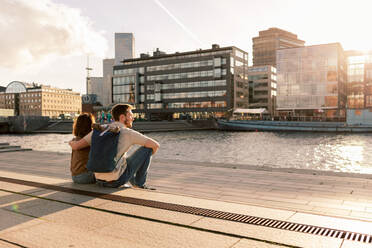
(296, 126)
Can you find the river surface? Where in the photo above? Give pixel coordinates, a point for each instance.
(320, 151)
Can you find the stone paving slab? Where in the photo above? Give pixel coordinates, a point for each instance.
(4, 244)
(33, 208)
(270, 234)
(279, 194)
(350, 244)
(55, 224)
(260, 185)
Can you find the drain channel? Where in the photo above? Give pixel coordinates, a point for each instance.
(241, 218)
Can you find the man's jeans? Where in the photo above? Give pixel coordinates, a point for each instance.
(136, 172)
(84, 178)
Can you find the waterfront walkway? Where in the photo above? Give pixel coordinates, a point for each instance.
(283, 207)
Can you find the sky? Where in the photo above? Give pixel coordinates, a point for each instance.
(48, 41)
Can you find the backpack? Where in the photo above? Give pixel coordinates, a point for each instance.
(103, 148)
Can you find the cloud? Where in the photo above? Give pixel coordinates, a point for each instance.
(34, 31)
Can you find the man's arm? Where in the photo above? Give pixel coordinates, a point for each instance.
(150, 143)
(77, 145)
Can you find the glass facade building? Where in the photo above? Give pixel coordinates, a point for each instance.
(262, 88)
(311, 81)
(269, 41)
(199, 84)
(359, 80)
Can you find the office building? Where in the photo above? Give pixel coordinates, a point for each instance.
(269, 41)
(359, 79)
(311, 81)
(262, 88)
(102, 86)
(95, 87)
(108, 65)
(124, 47)
(196, 84)
(39, 100)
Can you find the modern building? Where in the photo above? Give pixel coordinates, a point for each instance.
(124, 47)
(269, 41)
(102, 86)
(39, 100)
(196, 84)
(311, 81)
(262, 88)
(108, 65)
(95, 87)
(359, 79)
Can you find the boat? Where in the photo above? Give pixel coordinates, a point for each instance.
(296, 126)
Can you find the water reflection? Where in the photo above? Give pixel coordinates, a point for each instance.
(324, 151)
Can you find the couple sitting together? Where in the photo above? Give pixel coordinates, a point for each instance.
(131, 169)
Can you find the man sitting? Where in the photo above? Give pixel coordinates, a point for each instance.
(131, 169)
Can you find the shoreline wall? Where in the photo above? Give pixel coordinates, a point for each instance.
(26, 124)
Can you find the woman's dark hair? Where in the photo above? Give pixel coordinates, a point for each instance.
(83, 125)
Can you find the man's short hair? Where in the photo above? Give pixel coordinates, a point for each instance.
(120, 109)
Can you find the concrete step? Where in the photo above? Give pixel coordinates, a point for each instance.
(15, 150)
(8, 147)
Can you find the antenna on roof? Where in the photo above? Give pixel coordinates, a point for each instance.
(88, 69)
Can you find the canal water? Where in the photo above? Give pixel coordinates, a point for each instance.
(321, 151)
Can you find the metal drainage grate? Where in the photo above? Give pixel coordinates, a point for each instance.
(241, 218)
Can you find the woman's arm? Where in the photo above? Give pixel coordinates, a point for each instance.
(77, 145)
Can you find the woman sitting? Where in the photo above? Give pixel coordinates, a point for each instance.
(79, 158)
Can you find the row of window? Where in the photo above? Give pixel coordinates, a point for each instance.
(6, 96)
(46, 106)
(261, 69)
(29, 100)
(127, 98)
(121, 89)
(181, 75)
(30, 107)
(257, 85)
(123, 80)
(183, 65)
(189, 94)
(258, 77)
(197, 84)
(241, 55)
(307, 101)
(129, 71)
(11, 96)
(216, 72)
(208, 104)
(194, 55)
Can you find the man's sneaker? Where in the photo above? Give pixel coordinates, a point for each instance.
(144, 187)
(127, 186)
(111, 184)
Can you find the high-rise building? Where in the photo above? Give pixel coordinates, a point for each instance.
(311, 81)
(262, 88)
(39, 100)
(95, 87)
(124, 47)
(269, 41)
(108, 65)
(102, 86)
(359, 79)
(199, 84)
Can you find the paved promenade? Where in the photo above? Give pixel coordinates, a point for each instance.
(31, 216)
